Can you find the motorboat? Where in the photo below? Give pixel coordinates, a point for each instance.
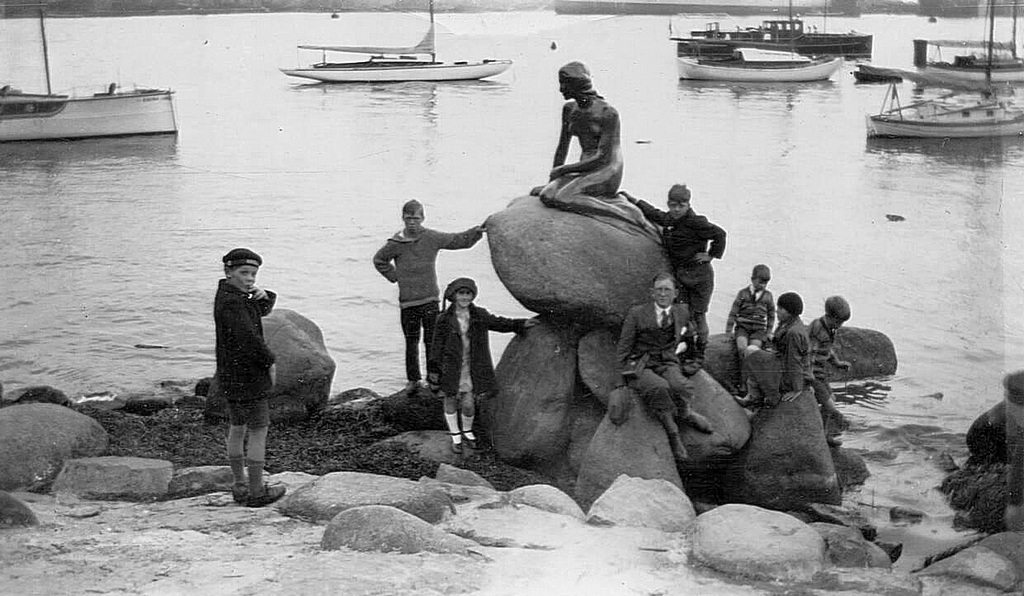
(761, 66)
(111, 111)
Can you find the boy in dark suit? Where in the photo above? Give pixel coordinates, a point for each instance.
(648, 354)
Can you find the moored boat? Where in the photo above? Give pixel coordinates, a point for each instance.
(388, 64)
(758, 66)
(111, 112)
(775, 34)
(732, 7)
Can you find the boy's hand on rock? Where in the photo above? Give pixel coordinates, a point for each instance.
(843, 364)
(531, 323)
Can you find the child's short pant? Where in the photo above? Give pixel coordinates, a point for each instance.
(254, 414)
(752, 334)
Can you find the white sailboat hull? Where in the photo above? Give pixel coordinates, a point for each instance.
(975, 75)
(692, 69)
(935, 122)
(26, 117)
(446, 71)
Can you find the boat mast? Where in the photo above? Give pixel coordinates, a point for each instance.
(46, 54)
(1013, 37)
(433, 42)
(991, 40)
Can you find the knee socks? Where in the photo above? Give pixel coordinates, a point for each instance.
(255, 477)
(452, 420)
(467, 427)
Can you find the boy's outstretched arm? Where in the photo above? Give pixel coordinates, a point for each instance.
(462, 239)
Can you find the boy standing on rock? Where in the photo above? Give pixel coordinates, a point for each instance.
(652, 335)
(244, 373)
(822, 335)
(409, 259)
(686, 237)
(461, 357)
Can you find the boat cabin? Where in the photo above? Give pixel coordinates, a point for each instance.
(771, 30)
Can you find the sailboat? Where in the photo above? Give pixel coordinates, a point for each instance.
(973, 61)
(395, 64)
(111, 112)
(953, 115)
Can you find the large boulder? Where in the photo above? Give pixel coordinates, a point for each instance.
(303, 368)
(199, 480)
(378, 528)
(325, 497)
(546, 498)
(35, 439)
(644, 503)
(528, 416)
(568, 265)
(597, 365)
(786, 464)
(39, 394)
(750, 541)
(871, 353)
(848, 548)
(112, 477)
(638, 447)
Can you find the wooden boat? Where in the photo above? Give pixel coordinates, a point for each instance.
(760, 66)
(111, 112)
(983, 113)
(986, 61)
(776, 34)
(395, 64)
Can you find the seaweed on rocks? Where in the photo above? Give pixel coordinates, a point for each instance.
(334, 440)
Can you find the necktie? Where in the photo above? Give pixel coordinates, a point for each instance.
(665, 320)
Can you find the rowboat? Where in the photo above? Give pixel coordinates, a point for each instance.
(109, 112)
(389, 64)
(758, 66)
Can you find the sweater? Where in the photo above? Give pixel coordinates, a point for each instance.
(685, 236)
(752, 312)
(410, 262)
(243, 358)
(793, 347)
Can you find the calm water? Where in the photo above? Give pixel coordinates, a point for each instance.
(112, 243)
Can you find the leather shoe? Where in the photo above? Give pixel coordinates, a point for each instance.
(471, 443)
(457, 448)
(270, 495)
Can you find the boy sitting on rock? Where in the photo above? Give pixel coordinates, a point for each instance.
(822, 336)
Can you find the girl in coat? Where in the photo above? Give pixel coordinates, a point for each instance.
(462, 354)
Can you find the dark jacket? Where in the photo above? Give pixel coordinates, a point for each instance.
(685, 236)
(822, 338)
(446, 349)
(410, 262)
(752, 312)
(641, 335)
(794, 349)
(243, 358)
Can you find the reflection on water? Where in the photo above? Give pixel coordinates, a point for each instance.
(126, 151)
(968, 153)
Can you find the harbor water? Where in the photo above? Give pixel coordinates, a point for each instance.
(113, 244)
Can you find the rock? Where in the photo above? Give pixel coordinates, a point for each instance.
(750, 541)
(1009, 545)
(596, 360)
(304, 369)
(787, 464)
(571, 266)
(638, 447)
(291, 480)
(848, 548)
(199, 480)
(413, 410)
(35, 439)
(644, 503)
(546, 498)
(453, 475)
(871, 352)
(461, 493)
(355, 399)
(332, 493)
(14, 513)
(621, 402)
(40, 394)
(841, 516)
(528, 418)
(378, 528)
(978, 494)
(851, 469)
(907, 515)
(978, 565)
(146, 404)
(986, 438)
(729, 421)
(893, 549)
(115, 478)
(433, 445)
